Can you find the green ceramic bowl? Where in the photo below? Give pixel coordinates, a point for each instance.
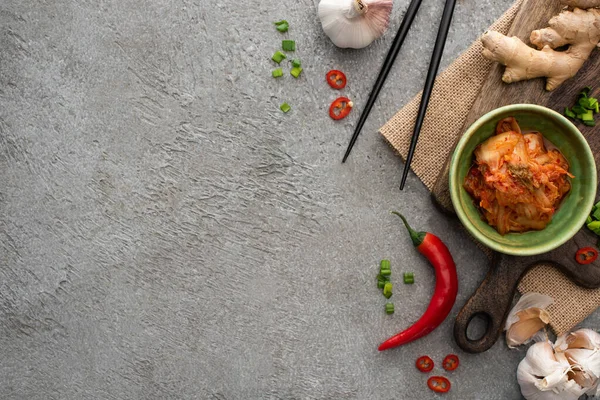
(572, 213)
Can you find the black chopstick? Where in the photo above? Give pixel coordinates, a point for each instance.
(438, 50)
(409, 16)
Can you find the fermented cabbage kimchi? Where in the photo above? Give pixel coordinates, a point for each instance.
(517, 179)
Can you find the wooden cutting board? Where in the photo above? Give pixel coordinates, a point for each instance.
(493, 299)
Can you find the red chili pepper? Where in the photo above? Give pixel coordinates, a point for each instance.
(336, 79)
(586, 255)
(424, 364)
(438, 384)
(450, 362)
(340, 108)
(446, 287)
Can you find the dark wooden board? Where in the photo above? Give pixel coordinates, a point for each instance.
(493, 299)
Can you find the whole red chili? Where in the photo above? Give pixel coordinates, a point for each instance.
(340, 108)
(336, 79)
(446, 287)
(438, 384)
(424, 364)
(450, 362)
(586, 255)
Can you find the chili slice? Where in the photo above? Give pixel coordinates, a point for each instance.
(450, 362)
(340, 108)
(586, 255)
(424, 364)
(336, 79)
(438, 384)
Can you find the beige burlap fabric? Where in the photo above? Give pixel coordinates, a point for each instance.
(456, 90)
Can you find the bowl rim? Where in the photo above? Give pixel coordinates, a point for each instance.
(453, 172)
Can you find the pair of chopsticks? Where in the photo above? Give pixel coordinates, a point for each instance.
(434, 64)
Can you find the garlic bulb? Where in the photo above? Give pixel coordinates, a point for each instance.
(526, 318)
(354, 23)
(543, 377)
(566, 370)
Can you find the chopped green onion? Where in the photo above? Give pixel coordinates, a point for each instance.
(383, 278)
(589, 220)
(277, 73)
(587, 116)
(282, 26)
(278, 57)
(296, 71)
(285, 107)
(409, 278)
(386, 273)
(569, 113)
(296, 62)
(385, 268)
(389, 308)
(596, 214)
(288, 45)
(594, 227)
(585, 108)
(387, 290)
(380, 283)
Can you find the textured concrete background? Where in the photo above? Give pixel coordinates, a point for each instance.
(167, 232)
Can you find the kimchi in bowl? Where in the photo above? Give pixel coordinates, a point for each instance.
(572, 211)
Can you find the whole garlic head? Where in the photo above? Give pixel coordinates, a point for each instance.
(566, 370)
(354, 23)
(543, 377)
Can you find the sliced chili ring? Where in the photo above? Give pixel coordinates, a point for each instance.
(424, 364)
(340, 108)
(450, 362)
(336, 79)
(586, 255)
(438, 384)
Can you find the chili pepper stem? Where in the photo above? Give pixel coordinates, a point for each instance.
(416, 237)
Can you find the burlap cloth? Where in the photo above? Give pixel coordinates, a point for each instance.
(571, 303)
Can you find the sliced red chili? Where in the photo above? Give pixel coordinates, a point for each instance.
(424, 364)
(340, 108)
(586, 255)
(438, 384)
(336, 79)
(450, 362)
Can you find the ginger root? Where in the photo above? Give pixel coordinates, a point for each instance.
(580, 29)
(581, 3)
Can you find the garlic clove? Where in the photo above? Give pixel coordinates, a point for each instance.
(583, 339)
(530, 321)
(354, 23)
(527, 318)
(528, 300)
(587, 361)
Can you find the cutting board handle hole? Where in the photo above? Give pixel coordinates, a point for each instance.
(478, 325)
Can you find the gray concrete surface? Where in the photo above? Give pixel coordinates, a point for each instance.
(167, 233)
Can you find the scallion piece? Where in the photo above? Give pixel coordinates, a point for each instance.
(569, 113)
(278, 57)
(380, 283)
(389, 308)
(296, 62)
(285, 107)
(387, 290)
(296, 71)
(277, 73)
(282, 26)
(409, 278)
(288, 45)
(385, 268)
